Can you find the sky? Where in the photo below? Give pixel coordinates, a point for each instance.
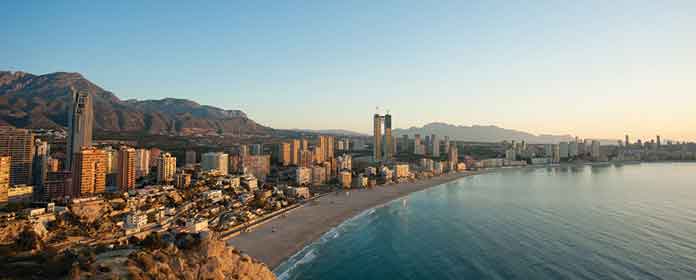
(596, 69)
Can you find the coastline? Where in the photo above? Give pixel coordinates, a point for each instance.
(308, 223)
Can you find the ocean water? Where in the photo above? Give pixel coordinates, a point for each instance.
(611, 222)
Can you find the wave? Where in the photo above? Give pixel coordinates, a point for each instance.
(310, 252)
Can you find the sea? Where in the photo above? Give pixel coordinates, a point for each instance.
(582, 222)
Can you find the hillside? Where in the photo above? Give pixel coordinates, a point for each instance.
(42, 101)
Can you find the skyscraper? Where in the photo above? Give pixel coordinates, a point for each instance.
(627, 143)
(388, 140)
(89, 172)
(453, 157)
(5, 162)
(80, 124)
(436, 146)
(126, 168)
(659, 142)
(39, 166)
(377, 143)
(295, 148)
(166, 167)
(259, 166)
(142, 162)
(326, 145)
(19, 145)
(284, 154)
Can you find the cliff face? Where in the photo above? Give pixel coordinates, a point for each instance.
(185, 258)
(41, 101)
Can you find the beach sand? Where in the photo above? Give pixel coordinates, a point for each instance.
(306, 224)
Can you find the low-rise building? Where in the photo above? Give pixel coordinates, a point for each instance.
(401, 171)
(136, 220)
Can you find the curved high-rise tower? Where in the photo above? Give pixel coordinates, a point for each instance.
(80, 124)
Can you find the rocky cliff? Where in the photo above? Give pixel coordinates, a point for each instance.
(181, 257)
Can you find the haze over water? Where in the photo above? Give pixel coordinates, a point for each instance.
(612, 222)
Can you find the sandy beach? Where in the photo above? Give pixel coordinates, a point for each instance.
(306, 224)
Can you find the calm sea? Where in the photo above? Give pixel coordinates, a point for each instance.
(612, 222)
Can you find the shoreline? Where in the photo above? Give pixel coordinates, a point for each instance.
(308, 223)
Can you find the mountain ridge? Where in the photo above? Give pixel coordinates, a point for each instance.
(42, 101)
(481, 133)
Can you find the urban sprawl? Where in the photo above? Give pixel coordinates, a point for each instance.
(82, 192)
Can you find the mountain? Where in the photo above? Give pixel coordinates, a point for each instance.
(338, 132)
(42, 101)
(479, 133)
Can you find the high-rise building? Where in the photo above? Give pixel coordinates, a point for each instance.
(284, 154)
(595, 151)
(80, 125)
(111, 160)
(57, 185)
(89, 172)
(403, 144)
(259, 166)
(305, 145)
(39, 166)
(556, 153)
(295, 148)
(5, 163)
(166, 167)
(627, 143)
(215, 161)
(388, 140)
(377, 143)
(19, 145)
(306, 158)
(435, 146)
(142, 162)
(447, 144)
(126, 168)
(53, 165)
(564, 150)
(191, 157)
(452, 157)
(659, 142)
(326, 148)
(573, 149)
(418, 147)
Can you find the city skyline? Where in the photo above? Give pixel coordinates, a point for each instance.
(595, 69)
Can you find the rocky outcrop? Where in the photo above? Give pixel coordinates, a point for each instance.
(185, 256)
(41, 101)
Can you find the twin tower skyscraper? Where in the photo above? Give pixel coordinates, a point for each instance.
(383, 147)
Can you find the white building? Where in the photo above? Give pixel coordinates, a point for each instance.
(136, 220)
(401, 171)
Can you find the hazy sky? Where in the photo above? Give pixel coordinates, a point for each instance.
(593, 69)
